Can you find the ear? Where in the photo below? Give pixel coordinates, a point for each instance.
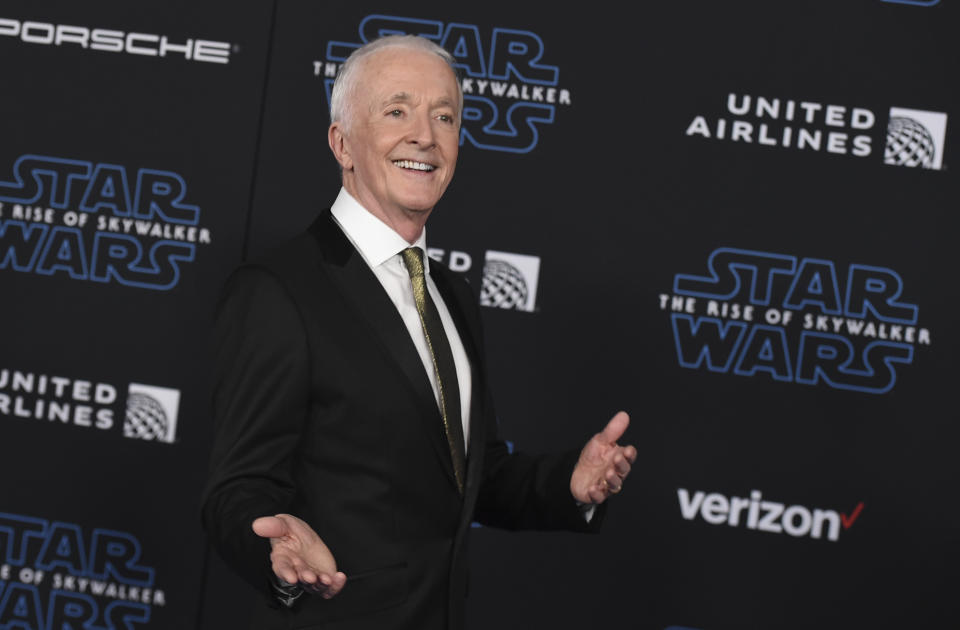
(338, 144)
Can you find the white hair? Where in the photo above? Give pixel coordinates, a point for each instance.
(347, 82)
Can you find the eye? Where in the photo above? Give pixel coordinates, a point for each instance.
(395, 113)
(447, 118)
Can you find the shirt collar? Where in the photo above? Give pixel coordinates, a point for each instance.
(375, 240)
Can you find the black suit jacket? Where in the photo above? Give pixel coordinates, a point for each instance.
(323, 410)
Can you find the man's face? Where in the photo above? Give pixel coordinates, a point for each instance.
(400, 148)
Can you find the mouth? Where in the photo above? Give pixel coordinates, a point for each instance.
(413, 165)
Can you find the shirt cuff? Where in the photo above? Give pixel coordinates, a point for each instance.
(587, 510)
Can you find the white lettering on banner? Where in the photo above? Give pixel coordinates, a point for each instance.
(188, 233)
(147, 44)
(151, 412)
(787, 123)
(53, 398)
(768, 516)
(811, 321)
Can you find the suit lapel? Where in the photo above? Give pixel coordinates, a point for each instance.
(354, 279)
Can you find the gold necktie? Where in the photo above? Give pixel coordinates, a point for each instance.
(443, 366)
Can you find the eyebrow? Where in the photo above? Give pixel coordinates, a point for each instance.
(404, 97)
(399, 97)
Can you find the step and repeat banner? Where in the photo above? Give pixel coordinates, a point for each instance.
(734, 220)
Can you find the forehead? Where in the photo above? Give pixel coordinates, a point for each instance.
(417, 73)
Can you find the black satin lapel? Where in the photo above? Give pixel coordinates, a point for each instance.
(354, 279)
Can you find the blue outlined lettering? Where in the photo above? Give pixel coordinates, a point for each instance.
(63, 251)
(918, 3)
(727, 266)
(518, 53)
(815, 355)
(489, 133)
(68, 610)
(62, 547)
(120, 257)
(815, 284)
(463, 42)
(875, 290)
(117, 258)
(40, 179)
(108, 190)
(20, 244)
(765, 350)
(114, 554)
(511, 54)
(37, 547)
(15, 534)
(830, 358)
(706, 339)
(43, 179)
(120, 615)
(161, 193)
(20, 607)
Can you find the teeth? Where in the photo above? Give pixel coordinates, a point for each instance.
(417, 166)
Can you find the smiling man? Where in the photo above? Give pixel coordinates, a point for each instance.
(355, 436)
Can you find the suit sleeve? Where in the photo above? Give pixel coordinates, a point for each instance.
(523, 491)
(260, 401)
(518, 490)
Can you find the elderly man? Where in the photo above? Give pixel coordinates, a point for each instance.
(356, 439)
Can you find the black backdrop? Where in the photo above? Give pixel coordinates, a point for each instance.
(734, 220)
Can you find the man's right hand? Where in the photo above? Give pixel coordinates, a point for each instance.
(299, 556)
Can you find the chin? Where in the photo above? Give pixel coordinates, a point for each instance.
(420, 204)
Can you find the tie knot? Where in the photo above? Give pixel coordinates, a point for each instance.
(413, 259)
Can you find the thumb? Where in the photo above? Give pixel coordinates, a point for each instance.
(270, 527)
(615, 428)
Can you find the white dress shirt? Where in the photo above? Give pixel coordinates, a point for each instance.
(380, 247)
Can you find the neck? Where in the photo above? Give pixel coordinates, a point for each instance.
(407, 223)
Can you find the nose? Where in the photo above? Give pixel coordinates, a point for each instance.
(421, 132)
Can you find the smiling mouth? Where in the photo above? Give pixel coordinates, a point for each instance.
(414, 166)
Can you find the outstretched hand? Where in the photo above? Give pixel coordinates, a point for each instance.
(298, 556)
(603, 464)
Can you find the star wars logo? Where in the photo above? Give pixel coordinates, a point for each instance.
(760, 313)
(98, 222)
(55, 575)
(509, 93)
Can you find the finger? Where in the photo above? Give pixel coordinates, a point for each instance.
(269, 527)
(615, 428)
(598, 491)
(339, 580)
(613, 480)
(307, 576)
(630, 453)
(284, 569)
(621, 465)
(335, 586)
(320, 585)
(597, 494)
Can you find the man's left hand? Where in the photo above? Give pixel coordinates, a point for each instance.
(603, 464)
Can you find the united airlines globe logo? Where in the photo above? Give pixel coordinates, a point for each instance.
(909, 144)
(915, 138)
(510, 281)
(503, 286)
(145, 418)
(151, 413)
